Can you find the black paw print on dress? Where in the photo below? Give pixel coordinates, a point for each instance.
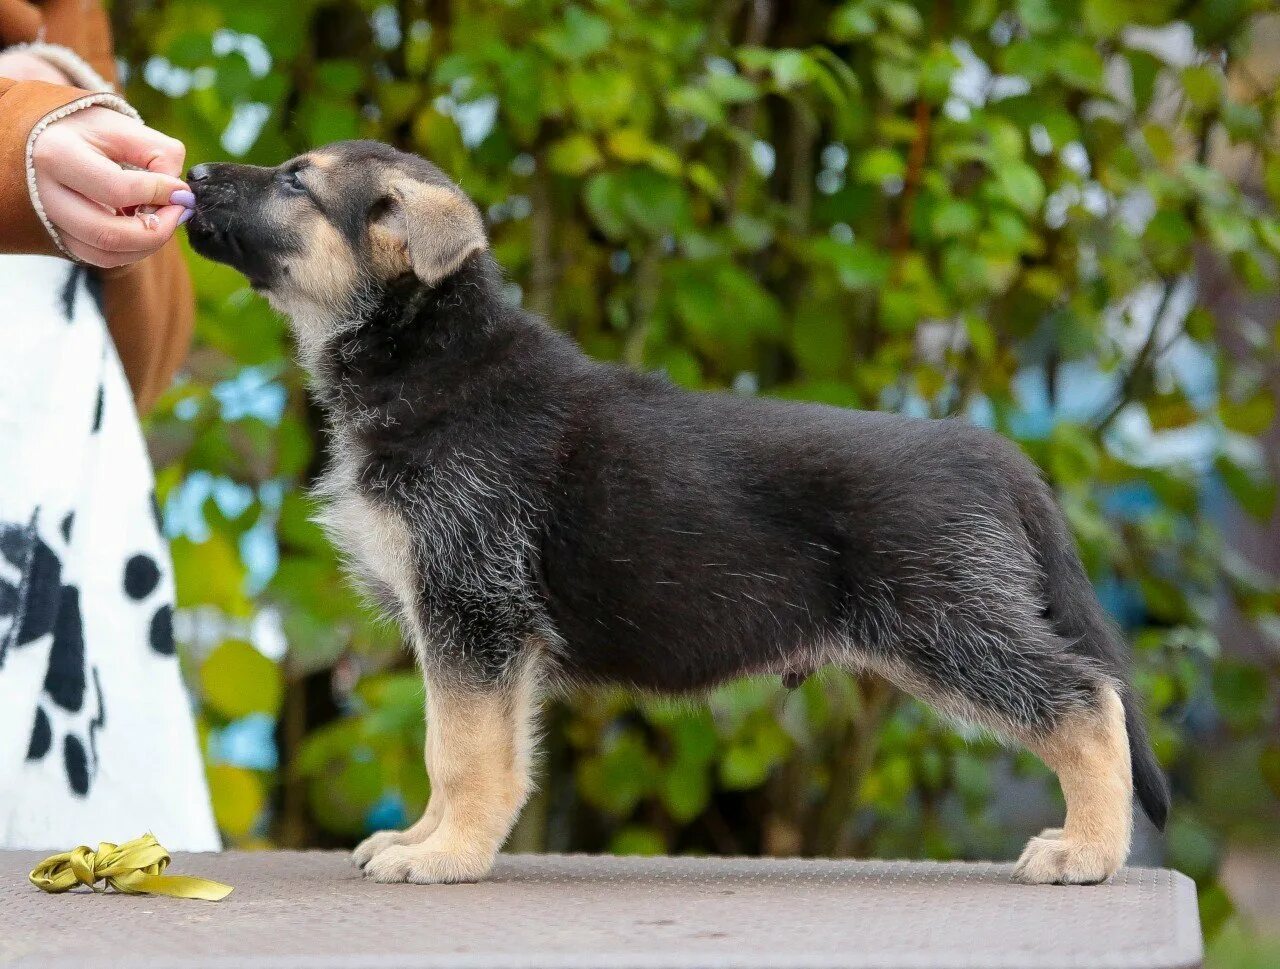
(38, 604)
(141, 579)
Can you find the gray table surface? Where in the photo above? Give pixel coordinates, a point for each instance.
(312, 909)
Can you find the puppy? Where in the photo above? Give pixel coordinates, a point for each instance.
(534, 517)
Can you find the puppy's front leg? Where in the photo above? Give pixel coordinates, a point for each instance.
(419, 831)
(478, 756)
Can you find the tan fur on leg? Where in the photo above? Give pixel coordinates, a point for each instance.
(479, 751)
(1090, 754)
(417, 832)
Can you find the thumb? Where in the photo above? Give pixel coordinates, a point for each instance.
(96, 178)
(147, 188)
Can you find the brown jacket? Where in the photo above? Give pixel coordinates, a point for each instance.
(148, 305)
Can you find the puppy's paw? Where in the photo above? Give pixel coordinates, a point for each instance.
(421, 864)
(372, 845)
(1053, 859)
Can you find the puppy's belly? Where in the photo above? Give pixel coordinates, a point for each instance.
(686, 640)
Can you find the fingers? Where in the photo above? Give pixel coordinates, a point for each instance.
(84, 189)
(102, 180)
(101, 237)
(133, 143)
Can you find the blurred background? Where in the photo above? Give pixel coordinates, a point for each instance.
(1055, 218)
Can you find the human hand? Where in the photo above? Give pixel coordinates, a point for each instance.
(89, 198)
(22, 66)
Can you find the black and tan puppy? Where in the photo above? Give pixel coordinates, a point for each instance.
(534, 517)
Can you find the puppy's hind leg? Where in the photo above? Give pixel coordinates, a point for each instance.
(1089, 751)
(479, 740)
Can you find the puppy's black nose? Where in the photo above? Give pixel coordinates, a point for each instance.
(199, 172)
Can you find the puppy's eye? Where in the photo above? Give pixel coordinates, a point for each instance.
(290, 181)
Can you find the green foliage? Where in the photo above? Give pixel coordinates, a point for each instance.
(905, 205)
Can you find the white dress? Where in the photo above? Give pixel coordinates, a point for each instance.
(97, 740)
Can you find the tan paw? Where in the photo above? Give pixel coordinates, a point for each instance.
(421, 864)
(375, 843)
(1059, 861)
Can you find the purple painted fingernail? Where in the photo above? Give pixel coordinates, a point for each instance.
(184, 198)
(186, 215)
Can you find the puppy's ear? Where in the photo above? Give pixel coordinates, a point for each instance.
(427, 229)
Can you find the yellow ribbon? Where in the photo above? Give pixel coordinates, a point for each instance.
(135, 868)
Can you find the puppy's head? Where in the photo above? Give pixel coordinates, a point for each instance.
(316, 232)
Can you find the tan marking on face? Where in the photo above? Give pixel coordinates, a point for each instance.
(317, 284)
(1090, 754)
(325, 271)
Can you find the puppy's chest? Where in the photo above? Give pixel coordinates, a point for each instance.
(414, 528)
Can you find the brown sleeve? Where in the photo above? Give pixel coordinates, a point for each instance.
(83, 26)
(150, 311)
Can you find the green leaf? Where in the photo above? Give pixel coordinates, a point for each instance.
(686, 790)
(1202, 84)
(1254, 492)
(1240, 690)
(601, 98)
(340, 77)
(725, 307)
(237, 680)
(209, 573)
(1143, 70)
(903, 17)
(1021, 186)
(953, 218)
(603, 195)
(790, 68)
(852, 21)
(1251, 416)
(680, 366)
(1031, 58)
(574, 154)
(731, 88)
(238, 799)
(634, 840)
(881, 163)
(820, 339)
(898, 79)
(1038, 16)
(1074, 458)
(615, 779)
(857, 265)
(1106, 18)
(1080, 65)
(578, 36)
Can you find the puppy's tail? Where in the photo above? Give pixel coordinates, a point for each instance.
(1077, 615)
(1149, 782)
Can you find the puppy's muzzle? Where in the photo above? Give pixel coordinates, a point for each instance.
(229, 225)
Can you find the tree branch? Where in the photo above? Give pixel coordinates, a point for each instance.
(1146, 356)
